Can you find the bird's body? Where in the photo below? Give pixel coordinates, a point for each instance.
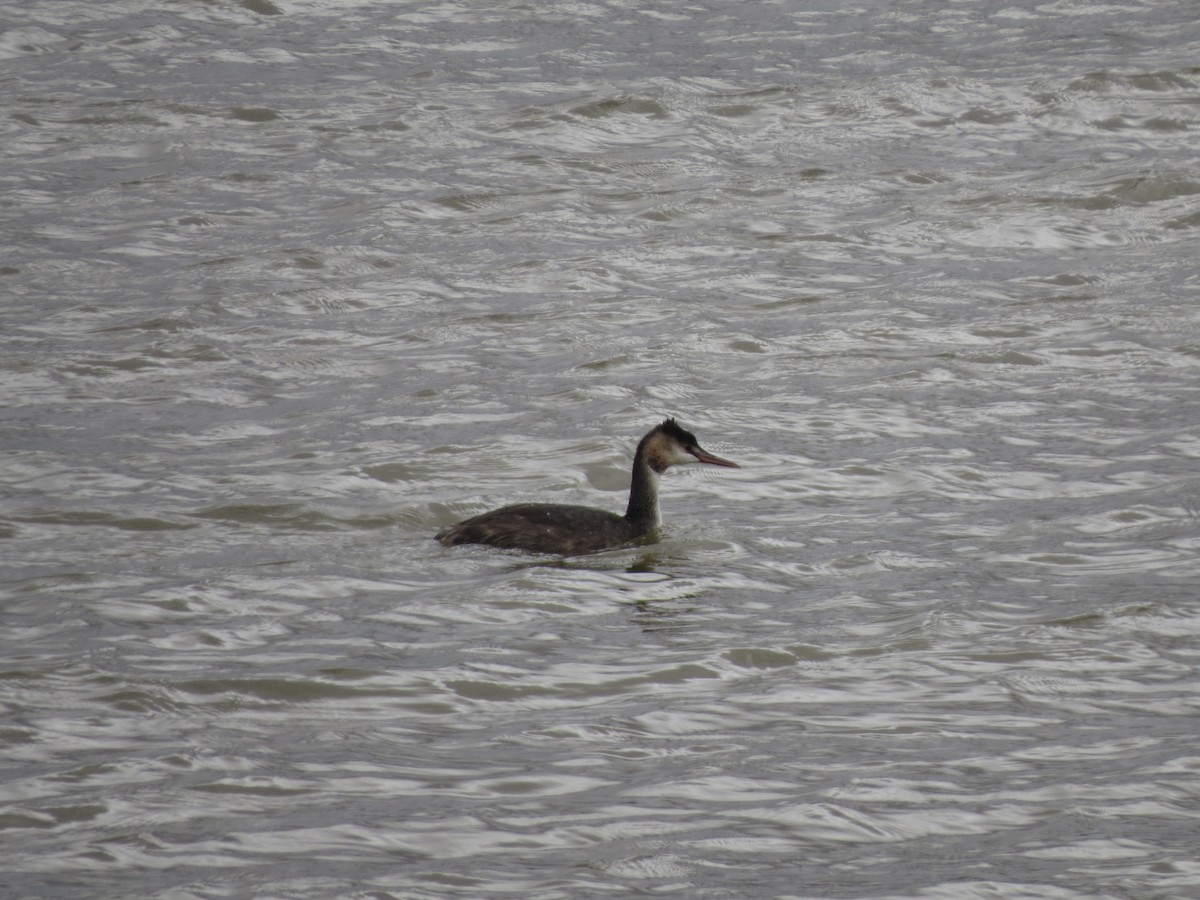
(545, 528)
(574, 530)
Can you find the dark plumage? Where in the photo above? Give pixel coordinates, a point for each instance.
(574, 530)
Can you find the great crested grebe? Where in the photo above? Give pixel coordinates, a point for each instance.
(574, 530)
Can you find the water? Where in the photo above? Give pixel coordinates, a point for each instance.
(289, 286)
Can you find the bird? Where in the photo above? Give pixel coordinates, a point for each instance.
(564, 530)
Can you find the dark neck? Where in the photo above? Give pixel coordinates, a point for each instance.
(643, 495)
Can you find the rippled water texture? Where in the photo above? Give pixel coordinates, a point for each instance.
(288, 286)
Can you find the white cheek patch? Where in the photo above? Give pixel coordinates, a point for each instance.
(681, 457)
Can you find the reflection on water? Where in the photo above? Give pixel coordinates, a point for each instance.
(289, 288)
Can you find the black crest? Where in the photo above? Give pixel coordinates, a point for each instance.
(673, 429)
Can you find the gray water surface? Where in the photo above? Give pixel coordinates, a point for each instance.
(288, 286)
